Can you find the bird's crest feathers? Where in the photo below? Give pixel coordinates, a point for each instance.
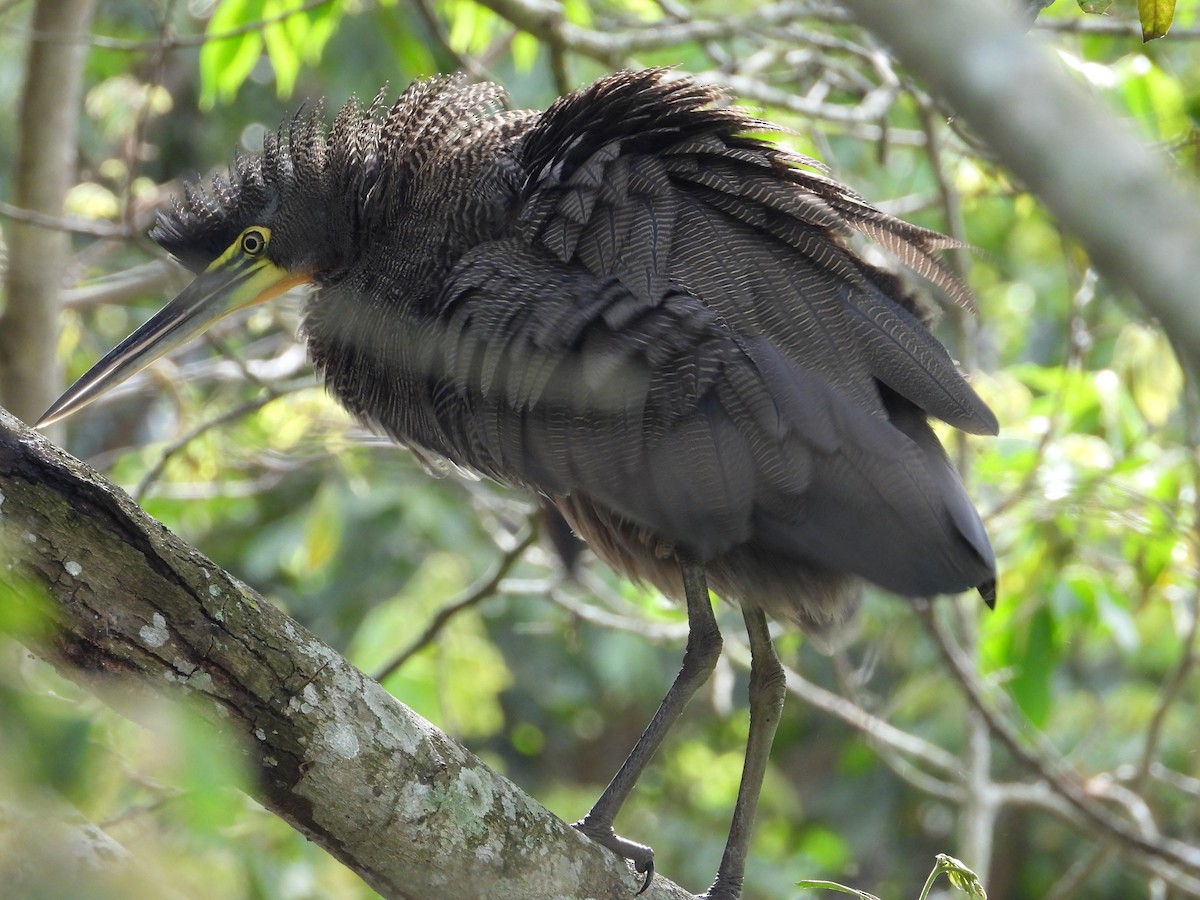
(369, 155)
(652, 109)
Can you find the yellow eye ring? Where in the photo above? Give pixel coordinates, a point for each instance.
(254, 242)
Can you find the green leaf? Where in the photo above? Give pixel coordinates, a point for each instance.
(462, 16)
(826, 848)
(226, 62)
(25, 610)
(1156, 100)
(322, 532)
(1144, 358)
(49, 739)
(1095, 7)
(525, 48)
(473, 28)
(283, 38)
(1030, 687)
(210, 771)
(959, 875)
(1156, 17)
(322, 25)
(578, 12)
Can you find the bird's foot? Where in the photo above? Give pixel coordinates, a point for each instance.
(724, 888)
(721, 893)
(640, 855)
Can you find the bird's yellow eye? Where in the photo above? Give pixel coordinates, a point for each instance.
(254, 241)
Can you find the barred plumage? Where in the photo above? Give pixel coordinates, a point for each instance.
(638, 307)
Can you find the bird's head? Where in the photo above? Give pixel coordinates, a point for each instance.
(271, 225)
(310, 207)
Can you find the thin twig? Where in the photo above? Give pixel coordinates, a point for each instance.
(486, 587)
(655, 632)
(1044, 760)
(468, 64)
(230, 415)
(1105, 25)
(873, 727)
(72, 224)
(124, 286)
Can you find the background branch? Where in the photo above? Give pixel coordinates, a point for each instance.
(1058, 138)
(45, 169)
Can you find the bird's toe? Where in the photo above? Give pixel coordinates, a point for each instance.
(641, 855)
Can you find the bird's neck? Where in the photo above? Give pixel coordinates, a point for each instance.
(374, 336)
(372, 326)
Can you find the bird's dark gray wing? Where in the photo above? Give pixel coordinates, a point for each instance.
(661, 411)
(667, 190)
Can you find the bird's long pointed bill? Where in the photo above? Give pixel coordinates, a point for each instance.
(224, 288)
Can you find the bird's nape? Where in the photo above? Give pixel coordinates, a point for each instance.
(640, 310)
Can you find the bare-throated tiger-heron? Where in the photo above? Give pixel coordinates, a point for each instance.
(637, 306)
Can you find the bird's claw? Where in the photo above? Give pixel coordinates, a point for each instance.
(641, 855)
(646, 867)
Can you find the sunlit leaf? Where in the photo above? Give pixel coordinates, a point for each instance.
(1156, 17)
(456, 679)
(645, 10)
(91, 201)
(1156, 100)
(283, 39)
(473, 27)
(713, 776)
(1153, 552)
(226, 62)
(1030, 686)
(322, 25)
(119, 104)
(323, 531)
(578, 12)
(525, 49)
(1117, 617)
(826, 848)
(1147, 365)
(959, 876)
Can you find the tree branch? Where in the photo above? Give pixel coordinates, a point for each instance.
(340, 759)
(1181, 859)
(546, 20)
(1058, 138)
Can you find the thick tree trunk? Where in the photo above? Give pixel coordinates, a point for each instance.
(45, 169)
(341, 760)
(1058, 138)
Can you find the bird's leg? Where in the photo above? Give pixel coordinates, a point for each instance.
(767, 689)
(703, 649)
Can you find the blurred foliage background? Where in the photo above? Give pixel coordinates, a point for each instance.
(1089, 492)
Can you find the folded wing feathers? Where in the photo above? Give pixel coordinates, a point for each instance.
(907, 358)
(916, 248)
(676, 192)
(679, 423)
(679, 330)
